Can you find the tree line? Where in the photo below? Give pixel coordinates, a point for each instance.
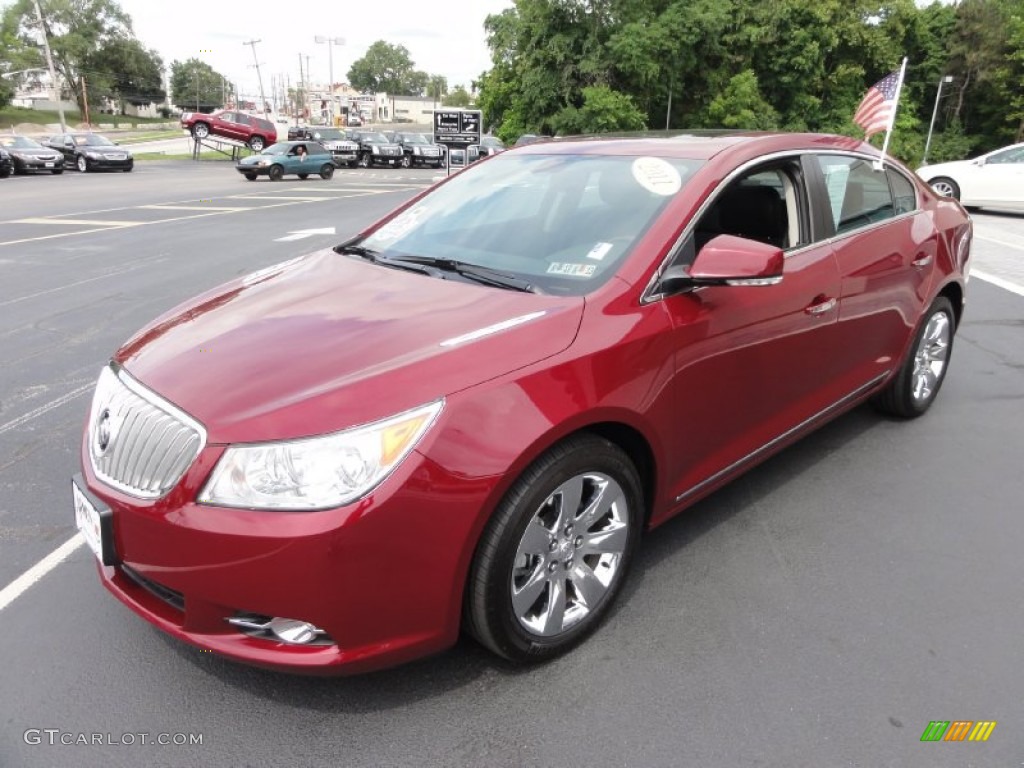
(580, 66)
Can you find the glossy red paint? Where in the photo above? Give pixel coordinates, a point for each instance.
(698, 386)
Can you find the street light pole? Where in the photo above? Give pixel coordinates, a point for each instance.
(935, 111)
(263, 99)
(331, 42)
(49, 63)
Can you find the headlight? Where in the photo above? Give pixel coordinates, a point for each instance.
(261, 162)
(316, 472)
(93, 155)
(376, 149)
(416, 150)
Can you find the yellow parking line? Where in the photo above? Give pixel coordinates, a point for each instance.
(79, 222)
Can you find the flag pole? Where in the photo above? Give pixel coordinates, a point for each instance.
(892, 118)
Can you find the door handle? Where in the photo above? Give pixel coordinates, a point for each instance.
(820, 306)
(922, 260)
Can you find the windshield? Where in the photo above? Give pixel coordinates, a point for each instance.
(413, 138)
(277, 149)
(93, 140)
(19, 142)
(562, 222)
(375, 138)
(329, 134)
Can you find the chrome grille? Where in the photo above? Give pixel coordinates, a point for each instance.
(138, 442)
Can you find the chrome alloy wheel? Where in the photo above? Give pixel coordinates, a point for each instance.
(569, 554)
(944, 188)
(931, 357)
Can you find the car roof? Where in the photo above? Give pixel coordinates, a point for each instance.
(695, 145)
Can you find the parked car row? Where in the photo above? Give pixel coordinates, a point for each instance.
(83, 151)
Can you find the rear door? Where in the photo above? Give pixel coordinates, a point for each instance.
(885, 247)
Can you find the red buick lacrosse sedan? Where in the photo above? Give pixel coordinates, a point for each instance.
(466, 417)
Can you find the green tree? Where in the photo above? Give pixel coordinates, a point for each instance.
(18, 52)
(459, 97)
(77, 29)
(741, 105)
(437, 87)
(125, 70)
(603, 110)
(197, 87)
(386, 68)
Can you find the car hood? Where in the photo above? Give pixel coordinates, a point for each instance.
(327, 341)
(254, 159)
(33, 151)
(931, 171)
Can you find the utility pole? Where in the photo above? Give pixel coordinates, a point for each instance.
(195, 76)
(263, 99)
(331, 42)
(85, 101)
(49, 63)
(935, 111)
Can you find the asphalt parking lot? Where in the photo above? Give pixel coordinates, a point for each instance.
(820, 611)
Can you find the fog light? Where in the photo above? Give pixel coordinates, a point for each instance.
(291, 631)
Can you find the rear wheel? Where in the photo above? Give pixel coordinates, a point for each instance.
(256, 143)
(81, 163)
(556, 552)
(914, 389)
(946, 187)
(276, 172)
(326, 170)
(200, 130)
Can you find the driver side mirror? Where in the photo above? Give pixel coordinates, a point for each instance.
(728, 260)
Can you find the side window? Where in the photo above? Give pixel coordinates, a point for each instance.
(1014, 155)
(858, 194)
(903, 193)
(762, 206)
(227, 117)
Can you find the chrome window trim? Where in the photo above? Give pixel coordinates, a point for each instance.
(838, 404)
(649, 296)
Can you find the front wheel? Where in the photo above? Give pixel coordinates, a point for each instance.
(276, 172)
(364, 160)
(256, 143)
(946, 187)
(326, 170)
(81, 163)
(406, 161)
(556, 552)
(57, 171)
(913, 390)
(200, 130)
(251, 176)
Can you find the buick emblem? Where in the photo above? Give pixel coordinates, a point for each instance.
(104, 432)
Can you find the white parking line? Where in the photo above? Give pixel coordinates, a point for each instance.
(79, 222)
(999, 281)
(997, 241)
(15, 423)
(17, 588)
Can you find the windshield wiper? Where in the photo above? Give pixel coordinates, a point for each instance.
(371, 255)
(475, 272)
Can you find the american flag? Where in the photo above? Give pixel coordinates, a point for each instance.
(878, 105)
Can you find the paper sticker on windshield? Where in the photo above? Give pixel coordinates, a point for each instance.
(599, 251)
(571, 270)
(657, 176)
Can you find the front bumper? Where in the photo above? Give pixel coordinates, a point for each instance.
(382, 577)
(104, 163)
(259, 170)
(37, 164)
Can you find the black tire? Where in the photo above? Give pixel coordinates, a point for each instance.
(946, 187)
(81, 163)
(303, 176)
(490, 613)
(256, 143)
(406, 161)
(128, 169)
(900, 397)
(364, 160)
(251, 176)
(200, 130)
(276, 172)
(326, 171)
(4, 173)
(57, 171)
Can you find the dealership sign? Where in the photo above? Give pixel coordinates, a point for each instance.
(457, 127)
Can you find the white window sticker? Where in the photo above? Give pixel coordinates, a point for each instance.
(657, 176)
(599, 251)
(571, 270)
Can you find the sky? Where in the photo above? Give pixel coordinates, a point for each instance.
(440, 42)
